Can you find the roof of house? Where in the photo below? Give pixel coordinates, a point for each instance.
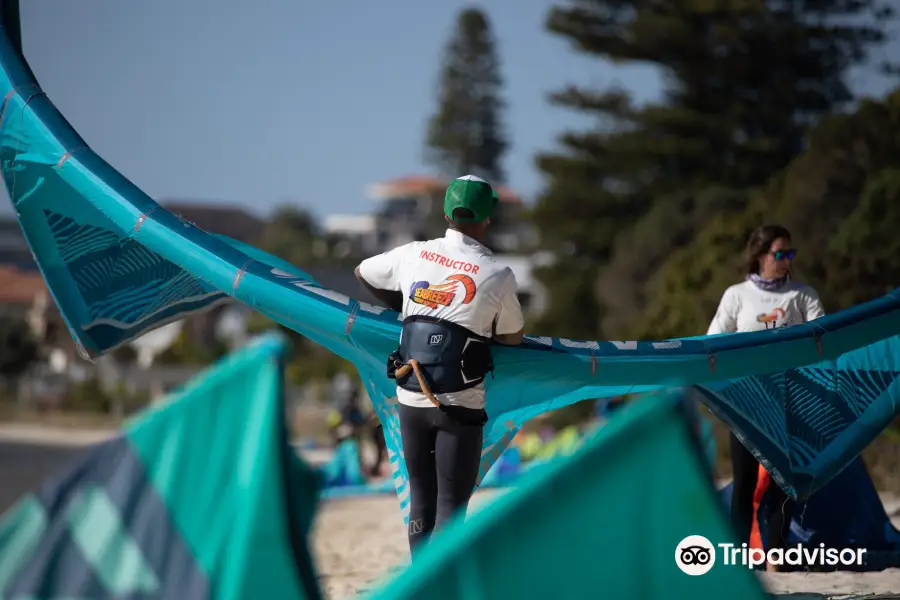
(418, 184)
(232, 221)
(20, 287)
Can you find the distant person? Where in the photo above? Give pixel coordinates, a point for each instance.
(455, 300)
(376, 431)
(766, 299)
(345, 411)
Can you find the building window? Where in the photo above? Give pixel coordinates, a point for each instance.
(400, 208)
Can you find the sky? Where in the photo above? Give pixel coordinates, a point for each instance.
(295, 101)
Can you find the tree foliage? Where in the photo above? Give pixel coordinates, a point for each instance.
(89, 396)
(185, 351)
(309, 362)
(841, 200)
(745, 81)
(863, 253)
(18, 347)
(466, 134)
(294, 235)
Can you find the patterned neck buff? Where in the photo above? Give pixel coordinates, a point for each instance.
(769, 285)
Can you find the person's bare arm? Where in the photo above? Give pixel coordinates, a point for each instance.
(391, 299)
(510, 339)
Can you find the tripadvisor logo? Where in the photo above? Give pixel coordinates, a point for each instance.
(795, 556)
(696, 555)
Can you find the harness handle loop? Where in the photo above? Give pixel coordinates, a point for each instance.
(413, 365)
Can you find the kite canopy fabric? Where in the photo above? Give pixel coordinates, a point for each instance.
(200, 499)
(807, 424)
(118, 266)
(846, 513)
(584, 526)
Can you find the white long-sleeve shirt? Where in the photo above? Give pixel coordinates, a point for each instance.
(745, 307)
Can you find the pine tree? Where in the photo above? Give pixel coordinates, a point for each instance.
(744, 81)
(841, 207)
(466, 135)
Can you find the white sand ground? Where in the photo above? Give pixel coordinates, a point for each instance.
(358, 542)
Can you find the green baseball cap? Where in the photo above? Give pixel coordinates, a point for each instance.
(473, 193)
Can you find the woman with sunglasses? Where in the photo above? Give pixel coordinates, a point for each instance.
(767, 298)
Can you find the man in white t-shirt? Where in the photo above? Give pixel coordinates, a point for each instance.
(455, 300)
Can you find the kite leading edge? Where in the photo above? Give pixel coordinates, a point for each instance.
(118, 265)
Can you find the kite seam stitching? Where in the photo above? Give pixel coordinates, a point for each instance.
(240, 275)
(68, 155)
(351, 319)
(6, 100)
(142, 219)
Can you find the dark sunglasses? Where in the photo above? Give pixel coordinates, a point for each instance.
(784, 254)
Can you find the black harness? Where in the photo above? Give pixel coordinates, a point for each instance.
(452, 358)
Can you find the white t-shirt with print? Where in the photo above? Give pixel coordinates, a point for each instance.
(745, 307)
(454, 278)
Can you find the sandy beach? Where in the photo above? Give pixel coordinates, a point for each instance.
(359, 542)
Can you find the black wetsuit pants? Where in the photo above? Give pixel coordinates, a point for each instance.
(442, 452)
(745, 468)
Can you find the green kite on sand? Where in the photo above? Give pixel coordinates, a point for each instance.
(203, 498)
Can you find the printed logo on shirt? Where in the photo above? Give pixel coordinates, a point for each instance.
(456, 265)
(776, 318)
(443, 294)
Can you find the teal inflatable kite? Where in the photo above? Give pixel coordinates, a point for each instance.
(118, 266)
